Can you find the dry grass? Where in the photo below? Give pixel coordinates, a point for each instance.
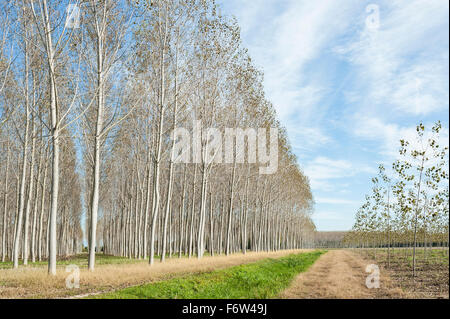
(339, 274)
(35, 283)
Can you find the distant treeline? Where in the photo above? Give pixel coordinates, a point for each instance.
(329, 239)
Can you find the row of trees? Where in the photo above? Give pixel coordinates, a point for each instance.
(88, 109)
(409, 206)
(329, 239)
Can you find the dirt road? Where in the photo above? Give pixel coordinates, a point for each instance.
(339, 274)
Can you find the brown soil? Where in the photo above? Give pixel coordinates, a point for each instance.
(340, 274)
(432, 273)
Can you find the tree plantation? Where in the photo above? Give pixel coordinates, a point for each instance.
(90, 95)
(144, 154)
(407, 213)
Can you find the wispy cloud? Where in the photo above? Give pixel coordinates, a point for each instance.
(348, 93)
(336, 201)
(402, 67)
(283, 38)
(388, 135)
(328, 216)
(324, 171)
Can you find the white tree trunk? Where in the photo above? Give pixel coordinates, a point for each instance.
(18, 231)
(97, 149)
(26, 250)
(5, 205)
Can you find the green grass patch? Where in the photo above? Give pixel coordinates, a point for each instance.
(260, 280)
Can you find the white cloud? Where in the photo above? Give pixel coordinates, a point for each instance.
(389, 134)
(336, 201)
(403, 66)
(283, 38)
(307, 138)
(321, 215)
(322, 171)
(337, 85)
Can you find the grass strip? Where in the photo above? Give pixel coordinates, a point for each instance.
(260, 280)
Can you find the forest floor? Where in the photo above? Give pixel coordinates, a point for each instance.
(341, 274)
(112, 273)
(337, 274)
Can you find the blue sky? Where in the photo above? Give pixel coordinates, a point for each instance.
(347, 86)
